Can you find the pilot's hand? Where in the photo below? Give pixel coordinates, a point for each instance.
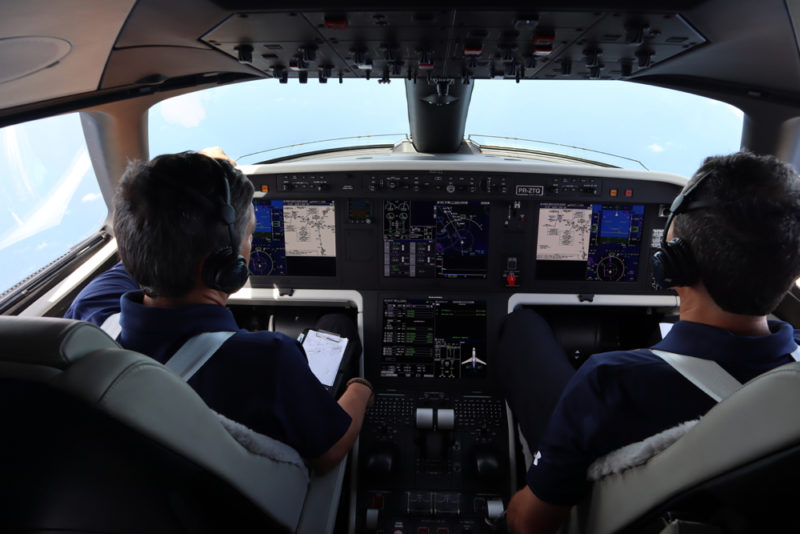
(217, 153)
(365, 385)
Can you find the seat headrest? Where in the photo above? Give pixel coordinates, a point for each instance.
(49, 341)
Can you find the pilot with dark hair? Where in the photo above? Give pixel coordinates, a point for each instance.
(184, 224)
(732, 251)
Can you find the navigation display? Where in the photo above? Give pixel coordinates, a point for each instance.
(294, 238)
(589, 242)
(444, 239)
(433, 338)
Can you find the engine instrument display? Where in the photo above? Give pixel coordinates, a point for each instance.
(589, 242)
(444, 239)
(433, 338)
(294, 238)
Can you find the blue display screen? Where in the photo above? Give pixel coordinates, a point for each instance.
(444, 239)
(294, 238)
(589, 242)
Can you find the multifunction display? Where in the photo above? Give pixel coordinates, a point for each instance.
(294, 238)
(589, 242)
(433, 338)
(444, 239)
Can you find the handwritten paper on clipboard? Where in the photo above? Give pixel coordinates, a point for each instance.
(325, 352)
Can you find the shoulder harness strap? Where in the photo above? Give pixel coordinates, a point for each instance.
(196, 352)
(707, 375)
(111, 326)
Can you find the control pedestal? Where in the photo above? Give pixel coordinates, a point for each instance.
(433, 463)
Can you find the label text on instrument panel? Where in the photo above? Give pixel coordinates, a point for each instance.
(530, 190)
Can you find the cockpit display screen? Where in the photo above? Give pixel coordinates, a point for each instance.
(433, 338)
(441, 239)
(589, 242)
(294, 238)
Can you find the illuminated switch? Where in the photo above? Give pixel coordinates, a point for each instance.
(336, 23)
(614, 192)
(628, 193)
(265, 188)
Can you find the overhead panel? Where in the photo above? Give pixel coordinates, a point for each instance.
(453, 44)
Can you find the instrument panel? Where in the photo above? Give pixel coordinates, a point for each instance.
(382, 230)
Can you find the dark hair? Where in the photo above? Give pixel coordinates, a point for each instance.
(747, 243)
(167, 218)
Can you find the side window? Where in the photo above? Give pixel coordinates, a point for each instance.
(49, 197)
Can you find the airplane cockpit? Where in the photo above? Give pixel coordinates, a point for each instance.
(426, 242)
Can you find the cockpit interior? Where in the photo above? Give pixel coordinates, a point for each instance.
(427, 243)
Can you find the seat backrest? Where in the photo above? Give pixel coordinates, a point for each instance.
(738, 466)
(101, 439)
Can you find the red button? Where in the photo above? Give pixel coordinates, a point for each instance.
(629, 193)
(511, 279)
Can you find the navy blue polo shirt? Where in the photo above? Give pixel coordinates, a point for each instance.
(260, 379)
(618, 398)
(100, 298)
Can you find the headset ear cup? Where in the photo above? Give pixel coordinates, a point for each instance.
(660, 269)
(237, 276)
(225, 271)
(674, 264)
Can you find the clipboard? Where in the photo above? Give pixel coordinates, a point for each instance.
(325, 353)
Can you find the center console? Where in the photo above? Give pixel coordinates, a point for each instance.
(434, 451)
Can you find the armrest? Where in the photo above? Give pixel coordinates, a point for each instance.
(322, 501)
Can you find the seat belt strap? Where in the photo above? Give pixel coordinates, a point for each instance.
(196, 352)
(111, 326)
(707, 375)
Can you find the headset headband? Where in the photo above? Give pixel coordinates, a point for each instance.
(683, 204)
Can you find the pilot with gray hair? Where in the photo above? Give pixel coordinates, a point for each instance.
(184, 224)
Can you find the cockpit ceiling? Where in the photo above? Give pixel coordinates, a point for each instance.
(46, 51)
(54, 53)
(453, 44)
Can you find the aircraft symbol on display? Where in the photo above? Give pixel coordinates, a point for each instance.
(474, 360)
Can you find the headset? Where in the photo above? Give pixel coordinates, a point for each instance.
(226, 269)
(674, 263)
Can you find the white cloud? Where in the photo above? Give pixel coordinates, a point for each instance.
(14, 157)
(91, 197)
(186, 110)
(655, 147)
(51, 210)
(16, 218)
(42, 245)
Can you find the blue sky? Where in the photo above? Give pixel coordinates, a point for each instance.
(49, 199)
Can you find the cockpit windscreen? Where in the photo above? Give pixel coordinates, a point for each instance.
(444, 239)
(433, 338)
(294, 238)
(589, 242)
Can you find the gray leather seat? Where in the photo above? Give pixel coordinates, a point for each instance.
(102, 439)
(737, 470)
